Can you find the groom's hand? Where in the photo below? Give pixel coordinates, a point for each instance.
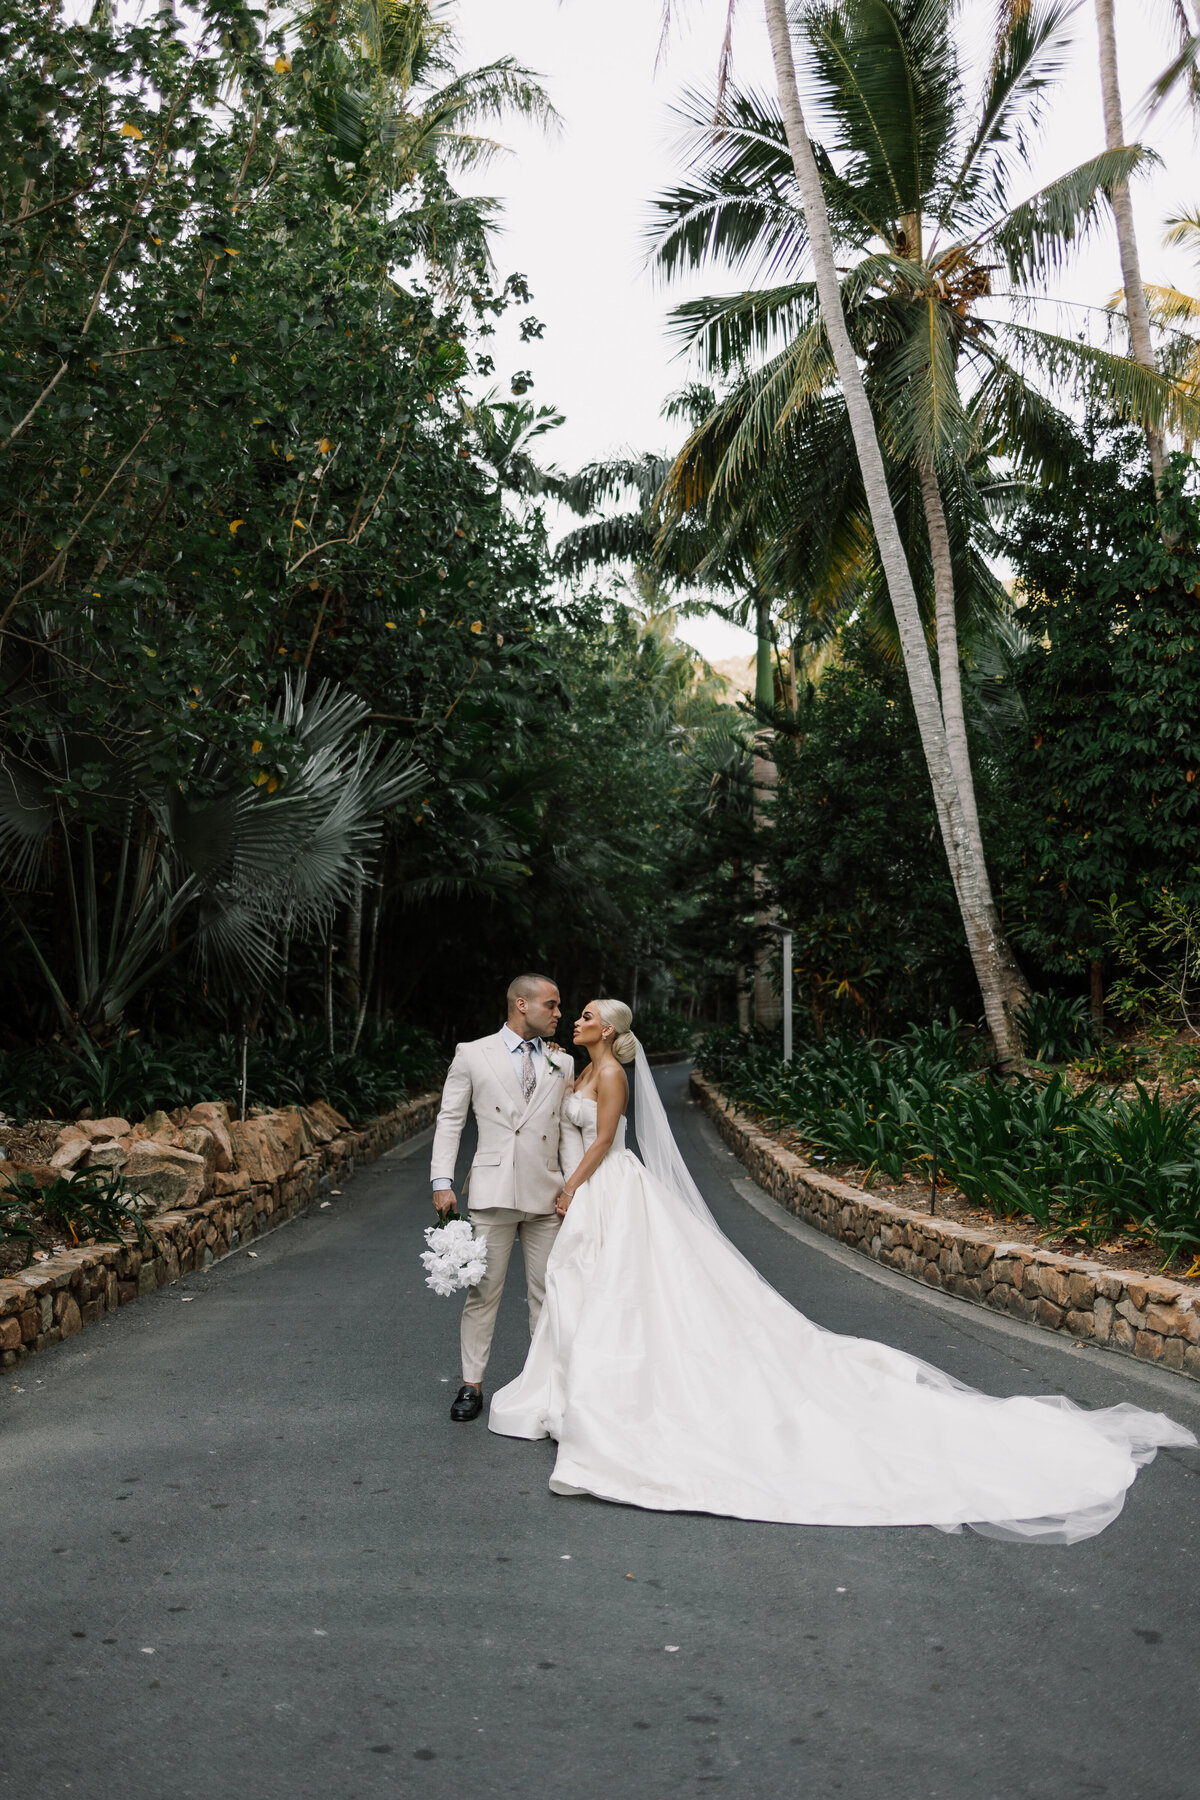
(444, 1201)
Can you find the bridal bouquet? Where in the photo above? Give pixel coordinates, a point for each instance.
(456, 1258)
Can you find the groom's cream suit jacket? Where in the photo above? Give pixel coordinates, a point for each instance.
(519, 1160)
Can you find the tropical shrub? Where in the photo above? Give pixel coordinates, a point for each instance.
(1086, 1164)
(1106, 769)
(1054, 1027)
(135, 1075)
(660, 1031)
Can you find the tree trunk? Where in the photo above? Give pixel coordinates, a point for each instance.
(372, 942)
(1000, 982)
(743, 997)
(767, 1008)
(953, 715)
(328, 994)
(949, 666)
(1096, 975)
(1136, 311)
(353, 948)
(764, 672)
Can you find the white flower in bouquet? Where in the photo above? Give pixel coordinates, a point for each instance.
(455, 1259)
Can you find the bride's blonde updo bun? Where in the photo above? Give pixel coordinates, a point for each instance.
(618, 1015)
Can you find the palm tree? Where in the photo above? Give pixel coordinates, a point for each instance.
(386, 89)
(1136, 309)
(918, 202)
(1177, 313)
(1183, 70)
(229, 881)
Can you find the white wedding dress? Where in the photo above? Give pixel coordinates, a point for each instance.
(675, 1378)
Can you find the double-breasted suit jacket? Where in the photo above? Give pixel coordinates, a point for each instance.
(518, 1163)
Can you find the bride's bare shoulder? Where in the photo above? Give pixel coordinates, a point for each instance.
(612, 1079)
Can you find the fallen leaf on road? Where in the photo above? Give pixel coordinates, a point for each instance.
(252, 1253)
(323, 1205)
(670, 1648)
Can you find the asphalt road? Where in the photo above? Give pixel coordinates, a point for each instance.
(247, 1554)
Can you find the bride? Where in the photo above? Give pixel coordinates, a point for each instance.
(674, 1377)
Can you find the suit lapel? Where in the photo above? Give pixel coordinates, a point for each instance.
(542, 1092)
(498, 1055)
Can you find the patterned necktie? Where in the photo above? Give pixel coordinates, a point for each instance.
(528, 1080)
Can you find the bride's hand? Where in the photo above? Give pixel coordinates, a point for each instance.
(561, 1204)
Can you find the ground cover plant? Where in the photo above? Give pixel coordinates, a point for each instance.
(95, 1207)
(1083, 1162)
(134, 1075)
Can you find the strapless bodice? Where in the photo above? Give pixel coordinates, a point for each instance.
(582, 1112)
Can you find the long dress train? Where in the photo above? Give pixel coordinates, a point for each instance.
(675, 1378)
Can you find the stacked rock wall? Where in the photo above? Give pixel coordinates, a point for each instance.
(276, 1164)
(1146, 1316)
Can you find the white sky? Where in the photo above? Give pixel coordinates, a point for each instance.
(576, 206)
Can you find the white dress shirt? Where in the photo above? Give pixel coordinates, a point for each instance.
(515, 1047)
(513, 1044)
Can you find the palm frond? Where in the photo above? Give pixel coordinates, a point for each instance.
(26, 821)
(1099, 378)
(1030, 51)
(1182, 74)
(890, 86)
(1169, 306)
(916, 387)
(727, 329)
(1035, 237)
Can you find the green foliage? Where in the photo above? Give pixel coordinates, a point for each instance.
(94, 1206)
(1116, 1061)
(1054, 1027)
(660, 1031)
(926, 136)
(855, 855)
(1083, 1164)
(244, 306)
(18, 1222)
(1109, 770)
(134, 1076)
(1156, 948)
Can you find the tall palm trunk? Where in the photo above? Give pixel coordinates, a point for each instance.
(1136, 311)
(768, 1007)
(949, 668)
(1000, 981)
(950, 682)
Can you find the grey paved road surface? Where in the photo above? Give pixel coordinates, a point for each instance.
(247, 1554)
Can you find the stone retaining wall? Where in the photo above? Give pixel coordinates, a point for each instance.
(1147, 1316)
(53, 1300)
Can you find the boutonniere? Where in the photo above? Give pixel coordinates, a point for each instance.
(563, 1065)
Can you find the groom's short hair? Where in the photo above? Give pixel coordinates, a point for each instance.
(525, 987)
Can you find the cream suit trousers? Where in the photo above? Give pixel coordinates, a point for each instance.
(500, 1226)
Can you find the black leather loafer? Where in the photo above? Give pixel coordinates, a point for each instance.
(468, 1403)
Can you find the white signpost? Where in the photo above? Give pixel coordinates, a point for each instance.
(787, 996)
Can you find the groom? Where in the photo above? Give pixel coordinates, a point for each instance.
(517, 1091)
